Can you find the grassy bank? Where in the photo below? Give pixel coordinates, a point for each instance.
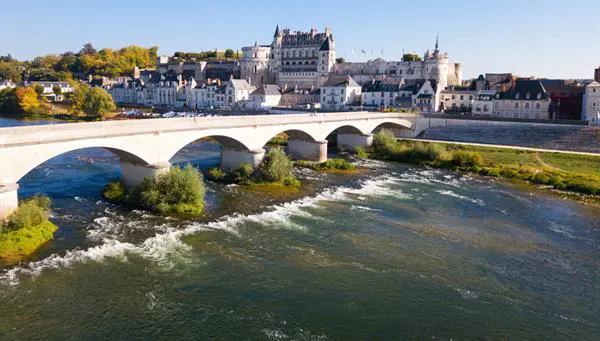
(567, 172)
(26, 230)
(180, 191)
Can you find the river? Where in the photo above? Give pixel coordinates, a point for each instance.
(394, 253)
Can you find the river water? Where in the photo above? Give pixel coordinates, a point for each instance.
(393, 253)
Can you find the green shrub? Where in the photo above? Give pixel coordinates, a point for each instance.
(384, 143)
(216, 174)
(467, 159)
(337, 163)
(278, 141)
(509, 173)
(115, 191)
(290, 181)
(31, 212)
(360, 152)
(178, 191)
(421, 153)
(243, 174)
(275, 166)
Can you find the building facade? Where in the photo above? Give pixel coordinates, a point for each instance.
(591, 103)
(527, 99)
(340, 92)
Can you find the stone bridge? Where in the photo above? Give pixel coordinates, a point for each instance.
(145, 147)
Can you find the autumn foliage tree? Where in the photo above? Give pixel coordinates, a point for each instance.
(27, 99)
(94, 102)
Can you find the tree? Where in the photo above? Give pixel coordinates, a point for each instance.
(88, 49)
(229, 53)
(8, 101)
(275, 165)
(12, 70)
(27, 99)
(340, 61)
(94, 102)
(57, 90)
(39, 90)
(411, 57)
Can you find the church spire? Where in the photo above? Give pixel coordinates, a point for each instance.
(437, 43)
(276, 32)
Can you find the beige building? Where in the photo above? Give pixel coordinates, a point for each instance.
(527, 99)
(339, 92)
(591, 103)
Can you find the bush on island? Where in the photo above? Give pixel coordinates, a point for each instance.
(275, 166)
(27, 228)
(180, 191)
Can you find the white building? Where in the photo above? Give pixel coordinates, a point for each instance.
(378, 94)
(7, 84)
(237, 93)
(591, 103)
(457, 99)
(527, 99)
(49, 87)
(339, 92)
(483, 103)
(265, 97)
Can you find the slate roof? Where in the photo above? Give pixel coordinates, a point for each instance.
(523, 89)
(241, 84)
(267, 90)
(340, 81)
(379, 86)
(326, 45)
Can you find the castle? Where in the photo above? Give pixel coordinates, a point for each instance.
(308, 59)
(294, 58)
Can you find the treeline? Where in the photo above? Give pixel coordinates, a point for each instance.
(196, 56)
(88, 61)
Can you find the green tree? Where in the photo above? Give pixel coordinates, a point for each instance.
(275, 165)
(411, 57)
(38, 89)
(88, 49)
(178, 191)
(95, 101)
(229, 53)
(12, 70)
(8, 101)
(57, 90)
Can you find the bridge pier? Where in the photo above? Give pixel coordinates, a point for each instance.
(308, 150)
(351, 141)
(132, 173)
(9, 200)
(231, 158)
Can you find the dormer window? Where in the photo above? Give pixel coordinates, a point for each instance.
(539, 96)
(528, 96)
(517, 95)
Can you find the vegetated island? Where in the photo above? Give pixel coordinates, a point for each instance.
(178, 191)
(564, 172)
(274, 174)
(26, 230)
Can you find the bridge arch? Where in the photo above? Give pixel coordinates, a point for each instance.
(293, 134)
(392, 125)
(21, 166)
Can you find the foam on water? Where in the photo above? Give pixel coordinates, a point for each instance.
(462, 197)
(167, 248)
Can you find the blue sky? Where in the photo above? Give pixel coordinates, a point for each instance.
(545, 38)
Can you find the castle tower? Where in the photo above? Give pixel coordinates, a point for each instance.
(326, 58)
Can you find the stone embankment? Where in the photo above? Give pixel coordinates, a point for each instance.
(571, 138)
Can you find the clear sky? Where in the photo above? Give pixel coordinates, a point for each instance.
(544, 38)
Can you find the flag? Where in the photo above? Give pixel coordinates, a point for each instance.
(363, 51)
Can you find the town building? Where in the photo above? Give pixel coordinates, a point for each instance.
(527, 99)
(7, 83)
(265, 97)
(483, 102)
(597, 74)
(457, 99)
(566, 98)
(591, 103)
(300, 97)
(49, 89)
(340, 92)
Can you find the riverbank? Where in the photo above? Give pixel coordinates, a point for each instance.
(564, 172)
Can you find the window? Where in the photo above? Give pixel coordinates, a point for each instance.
(526, 105)
(516, 105)
(538, 106)
(470, 98)
(462, 97)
